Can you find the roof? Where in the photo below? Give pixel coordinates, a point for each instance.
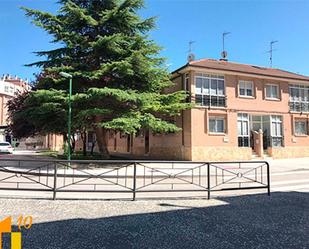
(244, 68)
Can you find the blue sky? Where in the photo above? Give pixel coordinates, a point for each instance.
(253, 24)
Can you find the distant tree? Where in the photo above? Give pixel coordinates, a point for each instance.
(40, 112)
(119, 80)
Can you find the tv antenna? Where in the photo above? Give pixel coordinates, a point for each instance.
(191, 56)
(271, 52)
(224, 53)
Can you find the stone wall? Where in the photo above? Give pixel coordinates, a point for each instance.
(289, 152)
(221, 153)
(171, 153)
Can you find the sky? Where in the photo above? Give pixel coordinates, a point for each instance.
(253, 24)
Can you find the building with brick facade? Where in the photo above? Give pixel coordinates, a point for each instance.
(240, 111)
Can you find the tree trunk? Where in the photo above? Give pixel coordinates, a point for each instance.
(73, 143)
(102, 141)
(83, 135)
(101, 138)
(92, 147)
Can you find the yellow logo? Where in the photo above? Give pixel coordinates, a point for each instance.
(6, 227)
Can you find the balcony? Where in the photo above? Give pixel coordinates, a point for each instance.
(298, 106)
(210, 101)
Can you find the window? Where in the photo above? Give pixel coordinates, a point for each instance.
(272, 91)
(186, 87)
(301, 127)
(6, 89)
(246, 88)
(299, 98)
(209, 90)
(186, 83)
(243, 130)
(276, 131)
(216, 125)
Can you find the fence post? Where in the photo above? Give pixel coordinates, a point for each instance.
(55, 181)
(208, 181)
(268, 178)
(134, 181)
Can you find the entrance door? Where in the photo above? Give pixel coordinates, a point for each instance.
(146, 141)
(262, 122)
(129, 143)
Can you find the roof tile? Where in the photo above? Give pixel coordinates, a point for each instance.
(246, 68)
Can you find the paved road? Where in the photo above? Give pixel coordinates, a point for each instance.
(249, 221)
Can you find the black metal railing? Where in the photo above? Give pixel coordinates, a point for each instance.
(131, 177)
(298, 106)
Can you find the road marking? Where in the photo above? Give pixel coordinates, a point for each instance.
(289, 188)
(290, 173)
(275, 183)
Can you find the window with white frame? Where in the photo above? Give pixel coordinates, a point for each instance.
(216, 124)
(301, 127)
(186, 86)
(243, 130)
(272, 91)
(276, 131)
(299, 98)
(209, 90)
(6, 89)
(245, 88)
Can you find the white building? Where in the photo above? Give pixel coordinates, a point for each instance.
(9, 87)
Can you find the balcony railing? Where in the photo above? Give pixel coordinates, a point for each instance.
(207, 100)
(298, 106)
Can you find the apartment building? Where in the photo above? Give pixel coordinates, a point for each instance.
(9, 87)
(241, 111)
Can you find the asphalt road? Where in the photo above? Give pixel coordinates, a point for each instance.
(249, 221)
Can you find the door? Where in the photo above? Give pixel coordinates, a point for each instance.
(147, 142)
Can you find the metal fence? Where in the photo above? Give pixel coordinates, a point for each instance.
(132, 177)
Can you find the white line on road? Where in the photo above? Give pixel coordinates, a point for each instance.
(276, 183)
(290, 188)
(290, 173)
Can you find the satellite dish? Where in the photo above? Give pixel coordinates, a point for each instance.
(224, 54)
(191, 57)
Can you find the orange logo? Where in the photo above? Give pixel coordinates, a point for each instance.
(6, 227)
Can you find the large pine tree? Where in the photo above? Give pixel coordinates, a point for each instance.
(119, 80)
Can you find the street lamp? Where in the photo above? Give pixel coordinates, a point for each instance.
(69, 76)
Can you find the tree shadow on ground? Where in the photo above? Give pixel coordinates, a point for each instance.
(250, 221)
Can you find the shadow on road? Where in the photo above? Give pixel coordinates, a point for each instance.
(251, 221)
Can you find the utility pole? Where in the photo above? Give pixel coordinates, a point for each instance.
(69, 76)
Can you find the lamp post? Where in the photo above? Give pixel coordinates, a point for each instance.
(69, 76)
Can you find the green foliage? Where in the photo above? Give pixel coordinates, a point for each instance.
(118, 77)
